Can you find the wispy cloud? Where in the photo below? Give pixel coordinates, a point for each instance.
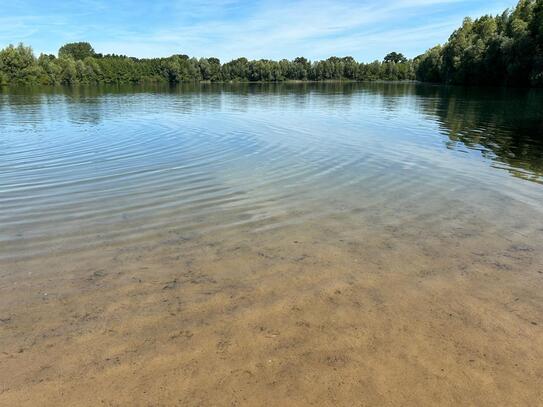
(365, 29)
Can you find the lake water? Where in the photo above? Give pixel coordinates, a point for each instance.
(294, 244)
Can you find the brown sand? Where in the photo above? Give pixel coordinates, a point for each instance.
(313, 314)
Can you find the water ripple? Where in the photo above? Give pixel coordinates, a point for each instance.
(122, 167)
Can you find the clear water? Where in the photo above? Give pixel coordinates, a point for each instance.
(83, 166)
(294, 244)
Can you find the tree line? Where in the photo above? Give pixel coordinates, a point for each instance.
(495, 50)
(79, 63)
(506, 49)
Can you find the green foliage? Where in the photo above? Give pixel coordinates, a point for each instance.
(77, 63)
(395, 57)
(492, 50)
(68, 74)
(18, 65)
(76, 50)
(50, 69)
(429, 65)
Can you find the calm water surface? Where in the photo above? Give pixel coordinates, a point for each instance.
(80, 166)
(298, 245)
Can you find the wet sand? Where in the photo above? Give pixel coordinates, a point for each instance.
(386, 312)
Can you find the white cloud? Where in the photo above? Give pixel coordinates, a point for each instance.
(284, 29)
(267, 29)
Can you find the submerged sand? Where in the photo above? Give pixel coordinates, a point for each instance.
(444, 311)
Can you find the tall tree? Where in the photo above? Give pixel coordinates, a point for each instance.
(396, 57)
(76, 50)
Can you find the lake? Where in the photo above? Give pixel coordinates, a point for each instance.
(279, 244)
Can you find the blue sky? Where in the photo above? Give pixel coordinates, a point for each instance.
(364, 29)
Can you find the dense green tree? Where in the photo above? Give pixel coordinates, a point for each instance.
(236, 70)
(429, 65)
(491, 50)
(92, 72)
(19, 65)
(76, 50)
(210, 69)
(396, 57)
(50, 69)
(536, 30)
(300, 69)
(68, 73)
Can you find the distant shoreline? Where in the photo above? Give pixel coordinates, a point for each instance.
(233, 82)
(504, 50)
(287, 82)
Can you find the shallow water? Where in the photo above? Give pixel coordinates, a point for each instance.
(317, 244)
